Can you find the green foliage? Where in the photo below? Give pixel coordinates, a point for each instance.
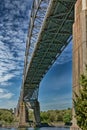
(81, 103)
(6, 116)
(60, 117)
(44, 117)
(67, 117)
(56, 116)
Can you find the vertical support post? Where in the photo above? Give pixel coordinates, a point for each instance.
(22, 115)
(79, 49)
(16, 112)
(37, 113)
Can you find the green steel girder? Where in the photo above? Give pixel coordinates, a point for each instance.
(56, 30)
(68, 1)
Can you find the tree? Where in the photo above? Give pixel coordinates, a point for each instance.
(80, 103)
(6, 116)
(60, 117)
(67, 117)
(44, 117)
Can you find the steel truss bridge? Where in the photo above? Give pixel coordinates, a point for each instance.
(49, 32)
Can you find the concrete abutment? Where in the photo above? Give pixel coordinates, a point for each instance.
(23, 115)
(79, 49)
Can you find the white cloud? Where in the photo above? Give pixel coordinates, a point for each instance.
(7, 95)
(1, 90)
(8, 103)
(4, 94)
(11, 65)
(14, 21)
(6, 84)
(6, 77)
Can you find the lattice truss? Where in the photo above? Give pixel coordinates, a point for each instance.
(50, 30)
(38, 12)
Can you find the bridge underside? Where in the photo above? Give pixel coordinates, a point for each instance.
(53, 37)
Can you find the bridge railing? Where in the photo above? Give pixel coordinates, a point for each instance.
(38, 12)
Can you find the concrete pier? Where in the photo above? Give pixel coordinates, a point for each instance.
(79, 49)
(37, 113)
(22, 115)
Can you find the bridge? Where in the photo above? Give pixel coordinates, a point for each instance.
(50, 31)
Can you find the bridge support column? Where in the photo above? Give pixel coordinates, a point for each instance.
(79, 49)
(37, 113)
(22, 115)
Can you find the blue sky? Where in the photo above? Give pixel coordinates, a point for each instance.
(56, 87)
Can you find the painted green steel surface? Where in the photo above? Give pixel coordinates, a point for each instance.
(53, 38)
